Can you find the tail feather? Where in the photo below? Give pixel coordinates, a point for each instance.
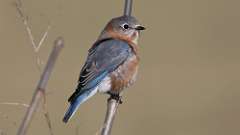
(71, 110)
(76, 103)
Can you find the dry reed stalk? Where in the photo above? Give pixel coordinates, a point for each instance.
(41, 87)
(36, 48)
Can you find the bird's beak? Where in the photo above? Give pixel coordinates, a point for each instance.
(139, 27)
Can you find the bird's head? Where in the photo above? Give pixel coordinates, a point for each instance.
(123, 27)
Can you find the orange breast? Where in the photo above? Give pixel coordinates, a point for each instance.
(125, 75)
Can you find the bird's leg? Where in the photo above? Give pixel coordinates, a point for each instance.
(117, 97)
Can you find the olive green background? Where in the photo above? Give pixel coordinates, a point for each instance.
(188, 82)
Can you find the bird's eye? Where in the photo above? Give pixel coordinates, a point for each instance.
(125, 26)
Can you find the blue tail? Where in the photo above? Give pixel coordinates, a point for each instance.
(75, 105)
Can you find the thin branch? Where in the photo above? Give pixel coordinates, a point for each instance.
(36, 46)
(41, 87)
(24, 18)
(25, 22)
(39, 62)
(128, 7)
(15, 104)
(112, 106)
(42, 39)
(46, 114)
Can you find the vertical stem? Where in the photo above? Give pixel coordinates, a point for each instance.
(112, 106)
(40, 90)
(128, 7)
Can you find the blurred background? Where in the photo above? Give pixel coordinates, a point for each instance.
(188, 82)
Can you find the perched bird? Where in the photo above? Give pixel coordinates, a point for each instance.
(112, 63)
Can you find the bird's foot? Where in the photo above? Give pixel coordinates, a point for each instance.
(116, 97)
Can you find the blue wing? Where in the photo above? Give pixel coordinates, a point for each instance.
(104, 57)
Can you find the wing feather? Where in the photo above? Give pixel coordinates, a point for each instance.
(103, 58)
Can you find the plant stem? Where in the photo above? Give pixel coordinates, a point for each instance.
(41, 87)
(128, 7)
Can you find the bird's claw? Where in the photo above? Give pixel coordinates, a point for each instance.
(116, 97)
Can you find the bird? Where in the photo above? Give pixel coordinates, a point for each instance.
(111, 65)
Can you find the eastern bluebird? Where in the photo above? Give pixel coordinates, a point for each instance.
(112, 62)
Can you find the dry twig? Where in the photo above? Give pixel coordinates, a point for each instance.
(128, 8)
(15, 104)
(112, 106)
(36, 46)
(41, 87)
(46, 114)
